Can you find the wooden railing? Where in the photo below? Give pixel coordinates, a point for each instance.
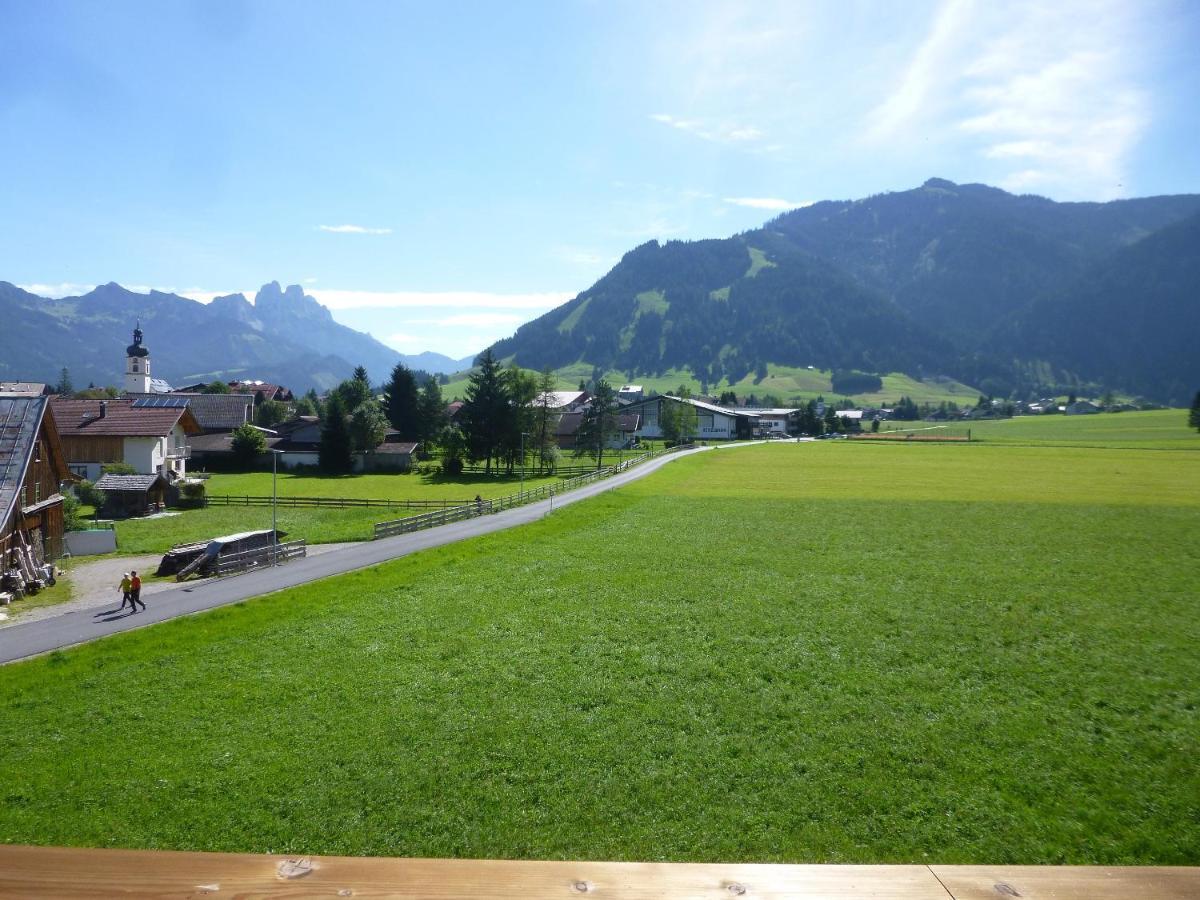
(89, 872)
(327, 502)
(473, 508)
(230, 563)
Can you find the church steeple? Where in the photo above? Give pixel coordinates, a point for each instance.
(137, 364)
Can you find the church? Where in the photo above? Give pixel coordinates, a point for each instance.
(137, 368)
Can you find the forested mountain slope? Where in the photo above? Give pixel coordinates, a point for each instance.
(928, 281)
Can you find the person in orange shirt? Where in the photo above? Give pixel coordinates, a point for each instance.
(135, 591)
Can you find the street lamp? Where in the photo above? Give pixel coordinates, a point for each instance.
(524, 434)
(274, 505)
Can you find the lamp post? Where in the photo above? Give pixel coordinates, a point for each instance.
(274, 505)
(524, 434)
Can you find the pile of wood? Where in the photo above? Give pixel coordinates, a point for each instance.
(26, 573)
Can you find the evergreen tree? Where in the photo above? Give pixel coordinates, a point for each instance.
(334, 455)
(599, 423)
(521, 388)
(1194, 414)
(64, 388)
(485, 412)
(306, 406)
(545, 419)
(431, 413)
(354, 391)
(403, 404)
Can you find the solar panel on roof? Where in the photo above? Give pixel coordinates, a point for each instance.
(160, 402)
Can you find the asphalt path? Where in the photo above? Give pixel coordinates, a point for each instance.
(81, 626)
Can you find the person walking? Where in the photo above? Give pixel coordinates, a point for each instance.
(135, 591)
(125, 588)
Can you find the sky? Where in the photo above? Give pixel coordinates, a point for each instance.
(438, 174)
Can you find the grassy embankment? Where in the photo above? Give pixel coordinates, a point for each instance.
(1162, 429)
(822, 652)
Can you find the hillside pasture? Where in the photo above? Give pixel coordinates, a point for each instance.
(818, 652)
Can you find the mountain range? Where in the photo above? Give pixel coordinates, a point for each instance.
(1013, 294)
(284, 336)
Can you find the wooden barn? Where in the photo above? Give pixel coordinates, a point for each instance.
(32, 472)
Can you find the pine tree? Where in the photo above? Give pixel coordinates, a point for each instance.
(599, 423)
(334, 455)
(544, 419)
(64, 387)
(485, 412)
(1194, 415)
(431, 413)
(403, 404)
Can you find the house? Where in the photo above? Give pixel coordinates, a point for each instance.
(630, 393)
(562, 401)
(32, 388)
(33, 468)
(1082, 408)
(773, 420)
(132, 495)
(566, 430)
(214, 413)
(153, 440)
(712, 422)
(261, 391)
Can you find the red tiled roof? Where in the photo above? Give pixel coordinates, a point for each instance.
(121, 419)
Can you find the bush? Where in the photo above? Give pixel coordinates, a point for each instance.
(71, 519)
(117, 468)
(90, 495)
(192, 494)
(453, 466)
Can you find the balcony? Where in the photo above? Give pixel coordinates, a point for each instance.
(181, 452)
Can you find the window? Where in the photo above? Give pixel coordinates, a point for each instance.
(37, 451)
(133, 365)
(80, 470)
(37, 492)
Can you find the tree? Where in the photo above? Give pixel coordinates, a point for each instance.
(402, 403)
(599, 423)
(368, 426)
(216, 387)
(354, 391)
(1194, 414)
(247, 443)
(431, 413)
(64, 388)
(678, 418)
(485, 412)
(334, 456)
(305, 406)
(544, 421)
(271, 412)
(521, 388)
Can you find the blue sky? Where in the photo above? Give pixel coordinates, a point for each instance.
(438, 174)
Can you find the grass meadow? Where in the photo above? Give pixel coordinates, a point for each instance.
(821, 652)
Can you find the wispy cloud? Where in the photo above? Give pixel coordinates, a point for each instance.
(57, 291)
(768, 202)
(475, 320)
(346, 299)
(1048, 93)
(353, 229)
(718, 131)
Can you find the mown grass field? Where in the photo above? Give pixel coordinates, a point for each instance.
(825, 652)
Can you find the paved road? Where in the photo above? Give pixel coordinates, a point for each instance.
(79, 626)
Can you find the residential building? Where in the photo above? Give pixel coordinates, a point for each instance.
(152, 440)
(33, 469)
(712, 422)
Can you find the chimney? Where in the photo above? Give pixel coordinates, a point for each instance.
(103, 408)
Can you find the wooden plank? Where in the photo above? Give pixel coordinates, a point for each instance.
(1070, 882)
(66, 872)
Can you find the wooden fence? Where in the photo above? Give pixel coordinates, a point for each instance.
(472, 508)
(259, 556)
(90, 872)
(328, 502)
